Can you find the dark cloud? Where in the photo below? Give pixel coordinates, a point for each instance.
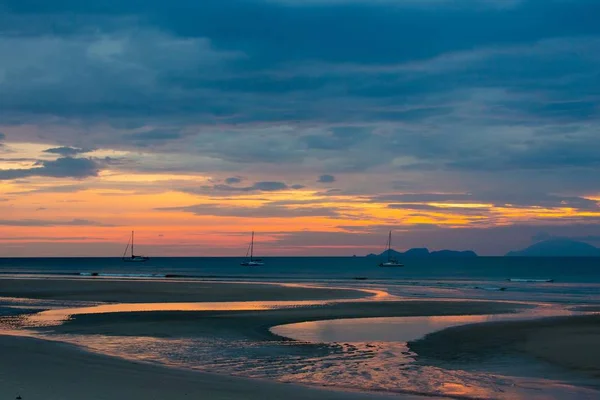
(66, 167)
(523, 199)
(326, 179)
(335, 30)
(156, 135)
(233, 180)
(337, 138)
(424, 197)
(67, 151)
(228, 63)
(409, 206)
(266, 186)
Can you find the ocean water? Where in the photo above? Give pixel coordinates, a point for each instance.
(565, 270)
(574, 279)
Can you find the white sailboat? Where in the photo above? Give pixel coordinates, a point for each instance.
(133, 257)
(391, 261)
(252, 262)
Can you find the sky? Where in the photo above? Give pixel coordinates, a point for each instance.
(319, 124)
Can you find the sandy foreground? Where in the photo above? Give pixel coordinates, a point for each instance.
(38, 369)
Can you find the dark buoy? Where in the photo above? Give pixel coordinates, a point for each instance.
(19, 398)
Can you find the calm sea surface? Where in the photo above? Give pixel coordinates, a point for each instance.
(566, 270)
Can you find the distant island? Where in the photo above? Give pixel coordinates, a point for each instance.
(423, 252)
(558, 248)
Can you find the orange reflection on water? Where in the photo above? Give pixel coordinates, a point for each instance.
(56, 317)
(394, 329)
(464, 390)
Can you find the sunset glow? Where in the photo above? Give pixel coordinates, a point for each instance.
(179, 214)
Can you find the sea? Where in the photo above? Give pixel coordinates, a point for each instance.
(571, 269)
(573, 279)
(361, 354)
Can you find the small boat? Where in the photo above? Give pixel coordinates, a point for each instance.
(391, 261)
(133, 257)
(252, 262)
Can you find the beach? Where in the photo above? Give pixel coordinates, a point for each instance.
(212, 340)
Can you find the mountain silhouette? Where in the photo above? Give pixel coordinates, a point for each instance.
(558, 248)
(423, 252)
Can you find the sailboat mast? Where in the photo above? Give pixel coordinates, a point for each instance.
(252, 247)
(389, 246)
(131, 244)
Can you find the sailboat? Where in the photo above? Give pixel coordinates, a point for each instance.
(133, 257)
(252, 262)
(391, 261)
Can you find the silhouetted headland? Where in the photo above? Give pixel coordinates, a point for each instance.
(423, 252)
(558, 248)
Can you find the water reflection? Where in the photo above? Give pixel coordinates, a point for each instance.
(55, 317)
(381, 367)
(394, 329)
(58, 316)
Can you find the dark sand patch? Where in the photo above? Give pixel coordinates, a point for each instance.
(568, 342)
(161, 291)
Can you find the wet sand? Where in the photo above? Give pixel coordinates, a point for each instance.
(255, 325)
(162, 291)
(569, 342)
(52, 370)
(37, 369)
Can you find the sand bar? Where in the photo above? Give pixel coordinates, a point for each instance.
(255, 325)
(160, 291)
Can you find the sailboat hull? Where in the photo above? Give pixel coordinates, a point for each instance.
(391, 265)
(252, 264)
(136, 259)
